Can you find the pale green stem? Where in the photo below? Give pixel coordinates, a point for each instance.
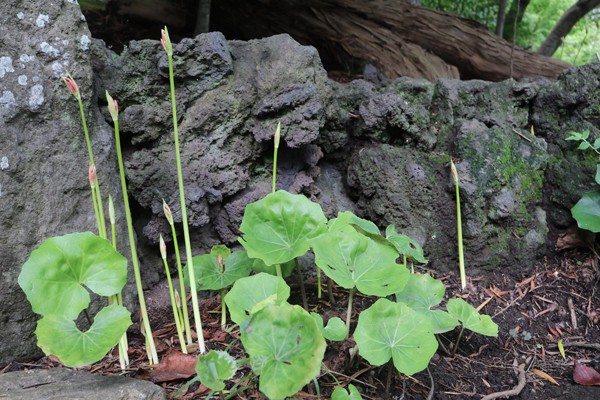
(319, 283)
(174, 307)
(349, 310)
(96, 210)
(274, 183)
(223, 309)
(278, 270)
(152, 355)
(184, 219)
(102, 232)
(186, 318)
(123, 343)
(461, 257)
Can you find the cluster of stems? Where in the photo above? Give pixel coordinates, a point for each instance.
(168, 47)
(98, 207)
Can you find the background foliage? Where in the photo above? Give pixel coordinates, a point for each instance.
(579, 47)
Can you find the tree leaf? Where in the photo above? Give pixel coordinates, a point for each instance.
(584, 146)
(597, 177)
(339, 393)
(354, 260)
(587, 211)
(54, 275)
(278, 227)
(423, 292)
(58, 335)
(285, 347)
(247, 292)
(336, 329)
(393, 330)
(405, 245)
(584, 375)
(214, 368)
(210, 276)
(174, 366)
(471, 319)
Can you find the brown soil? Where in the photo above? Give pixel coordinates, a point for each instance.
(553, 301)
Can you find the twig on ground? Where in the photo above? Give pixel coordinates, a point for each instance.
(512, 392)
(572, 311)
(595, 346)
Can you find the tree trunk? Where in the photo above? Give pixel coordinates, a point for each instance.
(398, 38)
(202, 17)
(515, 13)
(564, 25)
(501, 18)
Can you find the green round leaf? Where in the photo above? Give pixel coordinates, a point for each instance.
(393, 330)
(278, 227)
(210, 276)
(340, 393)
(354, 260)
(58, 335)
(347, 218)
(423, 292)
(471, 319)
(246, 293)
(286, 268)
(587, 211)
(285, 347)
(215, 367)
(54, 276)
(405, 245)
(336, 329)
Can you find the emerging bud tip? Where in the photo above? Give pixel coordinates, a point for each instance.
(163, 248)
(71, 85)
(113, 107)
(165, 40)
(167, 212)
(277, 135)
(454, 172)
(92, 175)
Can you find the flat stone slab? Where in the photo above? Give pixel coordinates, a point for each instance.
(66, 384)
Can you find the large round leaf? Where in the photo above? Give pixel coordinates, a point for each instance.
(470, 317)
(58, 335)
(423, 292)
(353, 260)
(247, 292)
(278, 227)
(53, 276)
(393, 330)
(285, 347)
(212, 276)
(214, 368)
(587, 211)
(405, 245)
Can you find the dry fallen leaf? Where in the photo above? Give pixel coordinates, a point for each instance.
(174, 366)
(545, 376)
(584, 375)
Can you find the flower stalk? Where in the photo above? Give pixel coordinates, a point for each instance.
(183, 306)
(461, 257)
(113, 109)
(166, 43)
(163, 254)
(74, 89)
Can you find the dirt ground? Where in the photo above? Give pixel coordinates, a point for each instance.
(554, 300)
